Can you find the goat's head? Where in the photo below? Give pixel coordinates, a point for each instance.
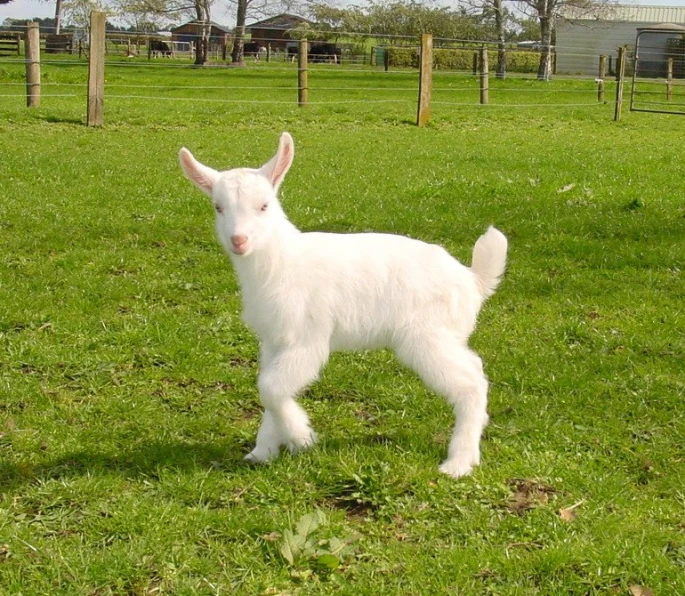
(245, 199)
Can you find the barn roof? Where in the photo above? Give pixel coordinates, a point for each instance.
(212, 23)
(663, 27)
(281, 22)
(626, 13)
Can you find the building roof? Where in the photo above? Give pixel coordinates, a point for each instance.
(281, 22)
(626, 13)
(663, 27)
(199, 23)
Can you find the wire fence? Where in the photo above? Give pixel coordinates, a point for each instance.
(339, 74)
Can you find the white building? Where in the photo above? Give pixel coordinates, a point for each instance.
(582, 38)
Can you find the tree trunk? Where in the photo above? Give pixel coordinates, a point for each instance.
(204, 29)
(501, 51)
(545, 67)
(239, 37)
(58, 17)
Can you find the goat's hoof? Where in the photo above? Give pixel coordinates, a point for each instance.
(257, 457)
(456, 469)
(301, 443)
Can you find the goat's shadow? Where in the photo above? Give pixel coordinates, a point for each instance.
(149, 460)
(145, 461)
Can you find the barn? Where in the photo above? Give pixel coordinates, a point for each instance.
(581, 38)
(191, 31)
(275, 30)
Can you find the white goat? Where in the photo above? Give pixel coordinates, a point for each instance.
(308, 294)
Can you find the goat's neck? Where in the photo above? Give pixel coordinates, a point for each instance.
(267, 266)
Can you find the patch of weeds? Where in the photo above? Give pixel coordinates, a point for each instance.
(367, 492)
(676, 553)
(634, 205)
(308, 551)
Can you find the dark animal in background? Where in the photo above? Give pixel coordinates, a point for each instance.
(324, 52)
(253, 49)
(292, 52)
(160, 48)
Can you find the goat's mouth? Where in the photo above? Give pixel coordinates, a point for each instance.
(240, 249)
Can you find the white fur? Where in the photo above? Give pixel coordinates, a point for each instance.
(309, 294)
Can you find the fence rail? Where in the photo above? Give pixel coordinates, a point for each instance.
(326, 80)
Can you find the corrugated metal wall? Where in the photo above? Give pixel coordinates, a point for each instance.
(581, 40)
(580, 43)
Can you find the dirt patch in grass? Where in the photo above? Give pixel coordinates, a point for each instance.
(528, 494)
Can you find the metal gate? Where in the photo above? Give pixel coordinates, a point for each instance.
(659, 70)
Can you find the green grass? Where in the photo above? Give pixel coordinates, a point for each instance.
(127, 380)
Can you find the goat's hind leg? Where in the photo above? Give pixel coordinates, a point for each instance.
(284, 374)
(451, 369)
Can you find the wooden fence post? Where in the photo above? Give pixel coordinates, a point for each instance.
(425, 79)
(475, 62)
(386, 59)
(484, 76)
(302, 83)
(268, 52)
(96, 70)
(620, 75)
(669, 79)
(600, 79)
(32, 66)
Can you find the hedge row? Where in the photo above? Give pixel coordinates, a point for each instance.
(517, 61)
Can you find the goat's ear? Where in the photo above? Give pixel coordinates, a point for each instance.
(276, 169)
(201, 176)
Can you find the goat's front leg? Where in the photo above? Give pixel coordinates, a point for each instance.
(284, 373)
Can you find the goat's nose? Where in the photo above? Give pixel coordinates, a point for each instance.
(238, 240)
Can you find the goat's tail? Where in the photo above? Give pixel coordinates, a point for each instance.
(489, 260)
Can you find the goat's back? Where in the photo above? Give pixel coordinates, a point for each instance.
(362, 290)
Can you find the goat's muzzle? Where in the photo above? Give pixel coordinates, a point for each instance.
(239, 244)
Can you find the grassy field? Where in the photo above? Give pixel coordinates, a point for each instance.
(127, 380)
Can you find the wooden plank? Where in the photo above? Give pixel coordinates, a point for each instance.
(620, 76)
(425, 80)
(484, 76)
(96, 70)
(32, 65)
(302, 81)
(600, 79)
(669, 79)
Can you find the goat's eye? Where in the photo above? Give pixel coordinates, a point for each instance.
(264, 207)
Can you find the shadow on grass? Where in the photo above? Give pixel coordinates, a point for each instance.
(147, 461)
(57, 120)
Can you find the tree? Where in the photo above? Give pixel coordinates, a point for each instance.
(204, 19)
(526, 29)
(499, 28)
(403, 18)
(58, 17)
(150, 10)
(494, 10)
(77, 12)
(144, 16)
(239, 35)
(547, 12)
(245, 9)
